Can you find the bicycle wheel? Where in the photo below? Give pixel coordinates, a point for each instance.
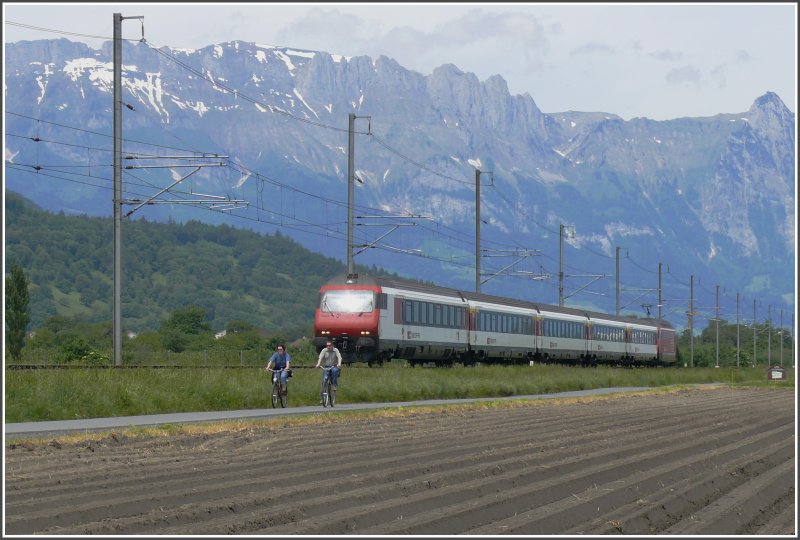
(331, 395)
(276, 389)
(284, 396)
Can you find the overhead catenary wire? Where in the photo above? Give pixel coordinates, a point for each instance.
(278, 110)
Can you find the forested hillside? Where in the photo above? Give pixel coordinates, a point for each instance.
(235, 274)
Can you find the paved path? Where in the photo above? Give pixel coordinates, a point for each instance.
(101, 424)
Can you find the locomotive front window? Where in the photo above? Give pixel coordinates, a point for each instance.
(347, 302)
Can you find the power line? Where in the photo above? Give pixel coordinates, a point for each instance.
(64, 32)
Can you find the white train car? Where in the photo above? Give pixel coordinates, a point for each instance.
(500, 331)
(641, 344)
(423, 324)
(561, 336)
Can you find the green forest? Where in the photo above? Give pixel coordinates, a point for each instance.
(268, 281)
(182, 283)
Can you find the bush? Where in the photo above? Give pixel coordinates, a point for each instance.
(75, 349)
(94, 358)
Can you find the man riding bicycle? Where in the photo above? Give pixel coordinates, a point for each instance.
(280, 361)
(330, 357)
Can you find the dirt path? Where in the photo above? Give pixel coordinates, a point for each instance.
(705, 461)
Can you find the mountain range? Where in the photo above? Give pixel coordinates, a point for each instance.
(710, 201)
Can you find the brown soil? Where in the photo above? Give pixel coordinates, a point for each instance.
(690, 462)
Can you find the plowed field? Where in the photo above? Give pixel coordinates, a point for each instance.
(691, 462)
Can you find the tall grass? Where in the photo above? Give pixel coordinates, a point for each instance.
(37, 395)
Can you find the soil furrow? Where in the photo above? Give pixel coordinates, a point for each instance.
(699, 461)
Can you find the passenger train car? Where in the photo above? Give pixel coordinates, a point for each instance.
(375, 319)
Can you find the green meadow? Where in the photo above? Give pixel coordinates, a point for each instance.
(60, 394)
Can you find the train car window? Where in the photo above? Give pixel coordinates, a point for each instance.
(383, 300)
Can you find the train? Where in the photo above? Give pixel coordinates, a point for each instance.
(374, 319)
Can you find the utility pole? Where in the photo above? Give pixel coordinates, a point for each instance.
(217, 202)
(691, 320)
(350, 188)
(617, 310)
(561, 265)
(659, 293)
(755, 335)
(737, 329)
(769, 335)
(477, 230)
(117, 189)
(117, 316)
(351, 182)
(717, 317)
(781, 333)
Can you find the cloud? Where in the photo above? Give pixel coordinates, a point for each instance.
(685, 75)
(666, 55)
(718, 75)
(592, 48)
(421, 47)
(330, 26)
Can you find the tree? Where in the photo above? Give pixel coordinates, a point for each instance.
(186, 328)
(17, 313)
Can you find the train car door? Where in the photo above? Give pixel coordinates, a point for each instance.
(627, 336)
(472, 326)
(394, 320)
(588, 338)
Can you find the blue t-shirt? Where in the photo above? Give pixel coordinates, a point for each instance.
(279, 360)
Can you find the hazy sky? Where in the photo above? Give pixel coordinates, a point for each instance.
(659, 60)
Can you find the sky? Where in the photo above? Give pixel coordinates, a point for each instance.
(656, 60)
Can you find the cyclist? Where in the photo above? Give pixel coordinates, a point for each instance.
(332, 358)
(281, 361)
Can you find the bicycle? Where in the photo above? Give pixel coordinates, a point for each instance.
(328, 390)
(277, 394)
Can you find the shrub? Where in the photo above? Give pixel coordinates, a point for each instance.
(75, 349)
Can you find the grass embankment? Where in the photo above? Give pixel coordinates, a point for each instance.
(40, 395)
